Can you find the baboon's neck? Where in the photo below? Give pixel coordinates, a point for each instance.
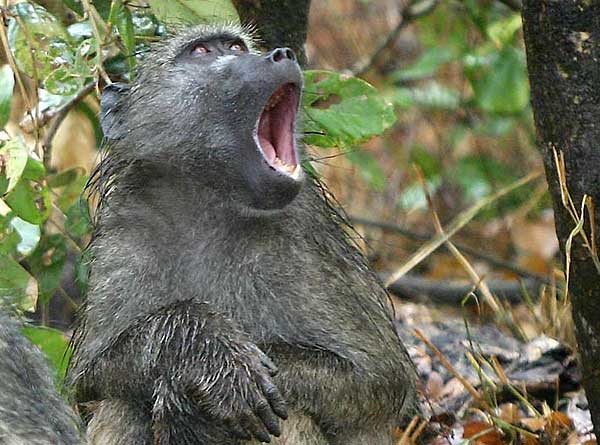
(172, 202)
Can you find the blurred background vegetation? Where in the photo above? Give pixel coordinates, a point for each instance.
(417, 114)
(418, 118)
(451, 111)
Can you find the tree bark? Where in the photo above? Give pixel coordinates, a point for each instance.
(563, 55)
(280, 23)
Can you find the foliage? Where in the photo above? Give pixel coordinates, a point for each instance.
(455, 108)
(477, 46)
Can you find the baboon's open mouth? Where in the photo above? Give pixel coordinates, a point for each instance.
(274, 133)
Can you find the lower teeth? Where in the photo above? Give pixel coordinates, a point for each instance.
(292, 170)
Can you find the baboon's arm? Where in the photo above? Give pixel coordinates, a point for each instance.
(186, 353)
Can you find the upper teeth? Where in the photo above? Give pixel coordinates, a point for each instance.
(274, 100)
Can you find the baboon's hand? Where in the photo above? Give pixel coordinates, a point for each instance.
(244, 396)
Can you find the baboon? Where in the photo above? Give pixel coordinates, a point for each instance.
(31, 411)
(227, 302)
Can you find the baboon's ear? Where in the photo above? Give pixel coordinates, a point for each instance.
(111, 110)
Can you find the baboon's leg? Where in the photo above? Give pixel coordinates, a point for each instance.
(116, 423)
(381, 436)
(298, 429)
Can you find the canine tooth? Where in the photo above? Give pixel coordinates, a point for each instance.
(296, 172)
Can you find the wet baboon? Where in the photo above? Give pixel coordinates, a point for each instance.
(225, 294)
(31, 411)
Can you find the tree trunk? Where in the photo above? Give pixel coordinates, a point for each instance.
(280, 23)
(563, 55)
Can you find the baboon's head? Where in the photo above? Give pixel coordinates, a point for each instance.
(207, 104)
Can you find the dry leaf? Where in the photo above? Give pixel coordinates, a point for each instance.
(529, 440)
(534, 423)
(435, 385)
(475, 429)
(560, 419)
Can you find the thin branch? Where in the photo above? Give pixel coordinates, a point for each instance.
(93, 17)
(493, 261)
(478, 281)
(446, 364)
(458, 223)
(36, 79)
(411, 12)
(453, 292)
(11, 61)
(59, 115)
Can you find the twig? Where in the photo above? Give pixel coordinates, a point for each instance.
(90, 10)
(412, 11)
(36, 79)
(27, 124)
(478, 281)
(11, 61)
(406, 435)
(59, 115)
(458, 223)
(446, 364)
(493, 261)
(454, 291)
(578, 218)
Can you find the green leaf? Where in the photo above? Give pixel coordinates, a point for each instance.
(432, 95)
(9, 237)
(120, 16)
(501, 87)
(48, 100)
(117, 65)
(82, 268)
(428, 164)
(344, 110)
(78, 223)
(60, 81)
(47, 263)
(71, 194)
(80, 31)
(55, 55)
(103, 8)
(426, 65)
(30, 201)
(479, 175)
(413, 197)
(29, 233)
(74, 5)
(144, 24)
(370, 169)
(502, 32)
(64, 178)
(14, 156)
(193, 11)
(16, 285)
(494, 125)
(7, 83)
(34, 170)
(53, 344)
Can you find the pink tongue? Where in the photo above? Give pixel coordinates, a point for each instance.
(264, 132)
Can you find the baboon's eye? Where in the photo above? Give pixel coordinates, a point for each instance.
(200, 49)
(238, 45)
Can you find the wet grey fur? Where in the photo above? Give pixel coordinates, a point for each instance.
(206, 270)
(31, 411)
